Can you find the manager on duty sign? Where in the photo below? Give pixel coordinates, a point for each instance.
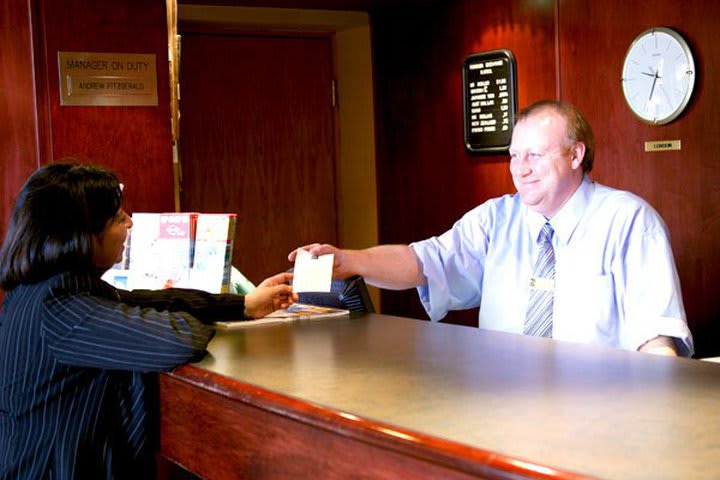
(107, 79)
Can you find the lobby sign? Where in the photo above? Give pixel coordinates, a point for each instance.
(489, 101)
(107, 79)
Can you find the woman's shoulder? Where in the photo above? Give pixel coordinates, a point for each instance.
(62, 285)
(81, 282)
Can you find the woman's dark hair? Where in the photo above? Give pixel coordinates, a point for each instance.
(58, 211)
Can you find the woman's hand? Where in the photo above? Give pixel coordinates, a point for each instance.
(272, 294)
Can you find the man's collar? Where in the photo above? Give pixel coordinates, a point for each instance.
(567, 218)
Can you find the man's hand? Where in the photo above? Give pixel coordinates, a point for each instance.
(272, 294)
(660, 345)
(395, 267)
(341, 267)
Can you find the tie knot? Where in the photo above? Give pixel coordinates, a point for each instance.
(546, 233)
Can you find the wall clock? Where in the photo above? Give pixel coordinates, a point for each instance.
(658, 75)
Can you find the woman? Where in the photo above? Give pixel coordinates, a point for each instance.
(77, 356)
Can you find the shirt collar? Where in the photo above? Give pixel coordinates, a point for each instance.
(567, 218)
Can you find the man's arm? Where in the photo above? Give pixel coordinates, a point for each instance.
(394, 267)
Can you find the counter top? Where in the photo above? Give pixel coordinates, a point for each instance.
(542, 404)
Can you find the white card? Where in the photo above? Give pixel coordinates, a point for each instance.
(311, 273)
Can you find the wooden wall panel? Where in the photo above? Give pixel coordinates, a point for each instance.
(18, 133)
(18, 155)
(134, 141)
(681, 185)
(257, 138)
(426, 180)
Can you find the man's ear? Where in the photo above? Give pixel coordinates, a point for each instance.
(578, 154)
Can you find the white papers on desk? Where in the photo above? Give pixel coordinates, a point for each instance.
(311, 273)
(296, 311)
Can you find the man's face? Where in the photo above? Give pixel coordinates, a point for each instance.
(546, 170)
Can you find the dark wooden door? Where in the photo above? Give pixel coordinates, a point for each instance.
(257, 138)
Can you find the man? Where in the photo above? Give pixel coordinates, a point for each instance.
(564, 257)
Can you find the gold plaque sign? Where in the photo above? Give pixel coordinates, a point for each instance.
(662, 145)
(107, 79)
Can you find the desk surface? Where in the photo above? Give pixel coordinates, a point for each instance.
(592, 411)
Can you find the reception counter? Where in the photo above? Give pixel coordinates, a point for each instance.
(376, 396)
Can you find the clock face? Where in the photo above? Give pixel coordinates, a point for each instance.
(658, 75)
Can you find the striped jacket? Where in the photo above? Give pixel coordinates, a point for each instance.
(78, 389)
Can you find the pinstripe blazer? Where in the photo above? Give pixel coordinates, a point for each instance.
(77, 389)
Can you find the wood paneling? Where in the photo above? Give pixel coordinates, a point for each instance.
(426, 180)
(681, 185)
(18, 126)
(134, 141)
(18, 152)
(314, 4)
(257, 138)
(215, 434)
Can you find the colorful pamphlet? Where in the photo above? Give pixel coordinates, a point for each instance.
(213, 252)
(187, 249)
(161, 249)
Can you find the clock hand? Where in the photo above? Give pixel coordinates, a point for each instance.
(652, 89)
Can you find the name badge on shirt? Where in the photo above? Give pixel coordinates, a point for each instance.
(538, 283)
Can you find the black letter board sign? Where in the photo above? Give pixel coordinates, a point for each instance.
(489, 101)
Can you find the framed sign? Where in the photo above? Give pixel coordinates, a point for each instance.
(107, 79)
(489, 101)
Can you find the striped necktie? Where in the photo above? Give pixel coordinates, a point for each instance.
(538, 321)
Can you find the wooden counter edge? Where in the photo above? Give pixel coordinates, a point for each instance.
(449, 454)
